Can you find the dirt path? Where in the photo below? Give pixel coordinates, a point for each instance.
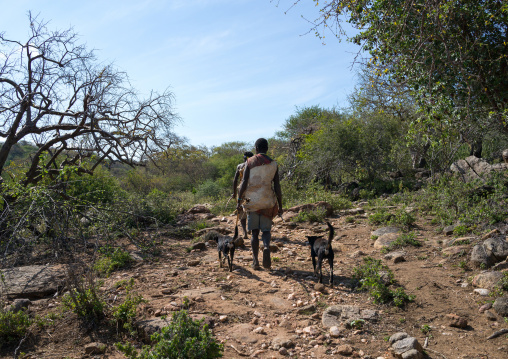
(256, 313)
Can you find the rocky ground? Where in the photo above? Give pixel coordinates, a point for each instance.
(282, 313)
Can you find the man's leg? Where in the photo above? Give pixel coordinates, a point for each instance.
(254, 242)
(267, 261)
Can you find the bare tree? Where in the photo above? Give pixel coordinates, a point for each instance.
(56, 94)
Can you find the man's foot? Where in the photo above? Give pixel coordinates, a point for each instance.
(267, 261)
(255, 266)
(245, 236)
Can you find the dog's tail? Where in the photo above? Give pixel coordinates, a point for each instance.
(235, 237)
(331, 233)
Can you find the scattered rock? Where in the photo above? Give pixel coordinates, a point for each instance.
(501, 306)
(335, 332)
(396, 257)
(199, 246)
(457, 321)
(406, 344)
(223, 318)
(485, 307)
(312, 206)
(473, 168)
(150, 326)
(200, 208)
(311, 330)
(320, 287)
(307, 310)
(448, 230)
(193, 263)
(345, 349)
(481, 291)
(95, 348)
(385, 230)
(487, 280)
(490, 315)
(18, 304)
(397, 336)
(259, 330)
(283, 351)
(385, 240)
(32, 282)
(336, 314)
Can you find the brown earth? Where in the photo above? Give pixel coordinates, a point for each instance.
(239, 302)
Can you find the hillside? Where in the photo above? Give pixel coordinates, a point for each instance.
(284, 302)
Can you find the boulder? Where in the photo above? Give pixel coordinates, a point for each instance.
(497, 247)
(312, 206)
(487, 280)
(32, 282)
(336, 314)
(501, 306)
(405, 345)
(150, 326)
(385, 240)
(385, 230)
(480, 258)
(473, 168)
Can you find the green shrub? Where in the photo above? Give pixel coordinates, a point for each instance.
(124, 314)
(316, 215)
(403, 240)
(13, 326)
(110, 261)
(183, 338)
(210, 189)
(460, 230)
(375, 278)
(381, 217)
(85, 301)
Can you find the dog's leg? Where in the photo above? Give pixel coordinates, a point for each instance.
(232, 254)
(319, 267)
(230, 264)
(220, 259)
(330, 261)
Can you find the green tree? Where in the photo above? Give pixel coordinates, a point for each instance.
(452, 54)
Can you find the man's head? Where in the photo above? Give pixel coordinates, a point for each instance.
(247, 155)
(261, 145)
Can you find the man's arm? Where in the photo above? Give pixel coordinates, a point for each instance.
(278, 191)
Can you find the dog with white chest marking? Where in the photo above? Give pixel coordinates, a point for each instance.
(225, 246)
(321, 248)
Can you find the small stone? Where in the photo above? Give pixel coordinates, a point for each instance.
(335, 332)
(193, 263)
(345, 349)
(283, 351)
(490, 315)
(481, 291)
(299, 303)
(485, 307)
(223, 318)
(291, 296)
(259, 330)
(95, 348)
(457, 321)
(319, 287)
(311, 330)
(258, 314)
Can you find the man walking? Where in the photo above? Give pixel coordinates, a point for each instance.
(261, 196)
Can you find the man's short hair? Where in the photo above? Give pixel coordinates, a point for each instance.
(248, 154)
(261, 145)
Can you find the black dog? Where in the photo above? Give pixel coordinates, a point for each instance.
(322, 248)
(225, 245)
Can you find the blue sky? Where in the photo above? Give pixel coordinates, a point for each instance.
(238, 68)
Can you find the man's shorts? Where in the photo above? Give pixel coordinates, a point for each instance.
(258, 221)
